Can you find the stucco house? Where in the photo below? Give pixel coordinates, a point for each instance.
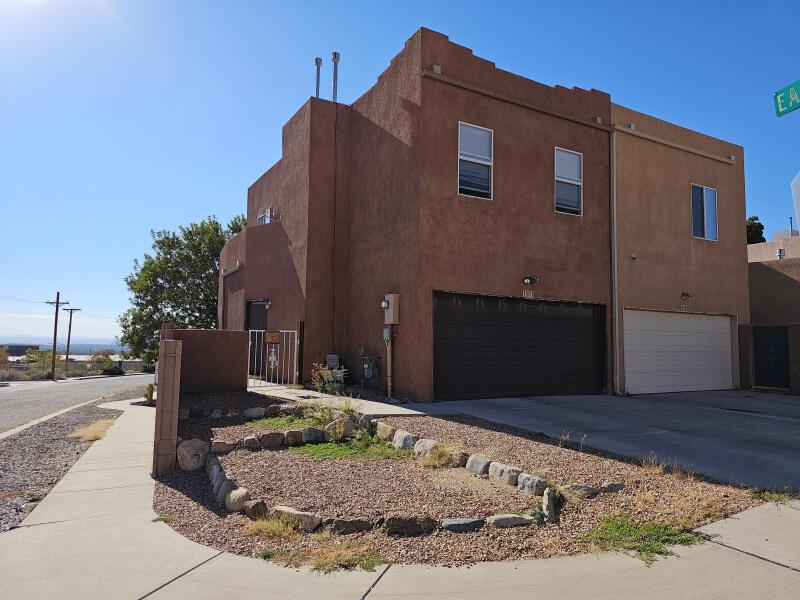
(541, 240)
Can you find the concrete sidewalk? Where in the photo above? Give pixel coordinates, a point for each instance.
(93, 537)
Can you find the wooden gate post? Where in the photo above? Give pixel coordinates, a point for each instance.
(167, 400)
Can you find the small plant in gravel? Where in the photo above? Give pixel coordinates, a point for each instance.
(280, 527)
(36, 498)
(165, 518)
(537, 512)
(93, 432)
(648, 540)
(267, 554)
(321, 413)
(335, 556)
(651, 464)
(362, 447)
(348, 407)
(769, 495)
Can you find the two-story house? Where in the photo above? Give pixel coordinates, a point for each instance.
(542, 240)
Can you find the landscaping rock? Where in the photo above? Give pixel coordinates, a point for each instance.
(503, 521)
(346, 526)
(192, 454)
(423, 447)
(218, 480)
(308, 521)
(216, 413)
(251, 442)
(255, 509)
(581, 490)
(550, 502)
(458, 458)
(294, 437)
(183, 414)
(312, 435)
(211, 461)
(503, 473)
(462, 525)
(612, 486)
(531, 484)
(384, 430)
(339, 429)
(272, 440)
(215, 468)
(365, 422)
(403, 440)
(226, 488)
(291, 410)
(409, 526)
(478, 464)
(273, 410)
(234, 501)
(255, 413)
(221, 447)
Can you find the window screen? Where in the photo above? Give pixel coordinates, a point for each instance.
(569, 182)
(474, 161)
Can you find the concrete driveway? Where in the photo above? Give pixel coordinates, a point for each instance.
(746, 438)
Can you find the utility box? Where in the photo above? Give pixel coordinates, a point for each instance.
(392, 311)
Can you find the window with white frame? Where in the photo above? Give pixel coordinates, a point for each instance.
(265, 217)
(475, 161)
(704, 212)
(569, 182)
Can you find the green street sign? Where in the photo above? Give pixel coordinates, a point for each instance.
(787, 99)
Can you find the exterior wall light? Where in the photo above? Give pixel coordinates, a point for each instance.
(685, 295)
(384, 304)
(530, 280)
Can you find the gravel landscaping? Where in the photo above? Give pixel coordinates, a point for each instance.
(35, 459)
(381, 490)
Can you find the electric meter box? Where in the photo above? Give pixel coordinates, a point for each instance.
(391, 313)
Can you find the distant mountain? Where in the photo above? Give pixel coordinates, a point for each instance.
(78, 345)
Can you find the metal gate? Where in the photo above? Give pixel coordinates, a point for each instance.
(273, 357)
(771, 357)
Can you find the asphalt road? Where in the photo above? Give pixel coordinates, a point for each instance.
(25, 401)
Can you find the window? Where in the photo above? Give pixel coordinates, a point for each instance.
(569, 182)
(704, 212)
(265, 217)
(474, 161)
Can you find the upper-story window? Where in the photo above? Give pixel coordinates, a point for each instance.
(704, 212)
(265, 217)
(569, 182)
(475, 161)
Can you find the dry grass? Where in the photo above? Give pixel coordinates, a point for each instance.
(651, 464)
(92, 433)
(280, 527)
(441, 457)
(335, 556)
(165, 518)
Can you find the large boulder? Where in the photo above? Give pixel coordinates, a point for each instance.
(254, 413)
(294, 437)
(234, 501)
(312, 435)
(218, 480)
(348, 525)
(251, 442)
(458, 457)
(272, 440)
(225, 488)
(403, 440)
(550, 505)
(409, 526)
(424, 447)
(462, 525)
(531, 484)
(221, 446)
(384, 430)
(581, 490)
(510, 520)
(503, 473)
(478, 464)
(308, 521)
(211, 462)
(273, 410)
(612, 486)
(192, 454)
(339, 429)
(255, 509)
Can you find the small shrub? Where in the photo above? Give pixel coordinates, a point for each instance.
(362, 447)
(113, 370)
(769, 495)
(647, 540)
(93, 432)
(165, 518)
(537, 512)
(148, 369)
(651, 464)
(280, 527)
(337, 556)
(36, 498)
(325, 380)
(349, 408)
(267, 554)
(322, 414)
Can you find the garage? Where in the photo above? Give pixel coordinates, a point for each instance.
(492, 347)
(676, 352)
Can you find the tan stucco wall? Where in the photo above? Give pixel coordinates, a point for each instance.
(775, 292)
(767, 251)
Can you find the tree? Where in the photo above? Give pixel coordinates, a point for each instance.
(755, 231)
(3, 357)
(177, 283)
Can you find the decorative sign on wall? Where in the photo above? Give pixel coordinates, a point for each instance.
(273, 337)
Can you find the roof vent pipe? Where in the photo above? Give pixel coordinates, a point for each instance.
(318, 62)
(335, 59)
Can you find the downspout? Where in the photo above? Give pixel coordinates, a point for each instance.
(616, 388)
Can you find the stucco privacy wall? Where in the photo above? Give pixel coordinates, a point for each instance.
(775, 292)
(212, 360)
(657, 257)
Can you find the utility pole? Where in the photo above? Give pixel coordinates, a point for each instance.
(69, 335)
(57, 304)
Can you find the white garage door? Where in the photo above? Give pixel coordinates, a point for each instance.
(675, 352)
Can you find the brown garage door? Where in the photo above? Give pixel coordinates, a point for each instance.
(489, 347)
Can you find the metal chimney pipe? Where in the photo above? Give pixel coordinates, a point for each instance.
(335, 59)
(318, 62)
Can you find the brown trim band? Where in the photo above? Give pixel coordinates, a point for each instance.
(665, 142)
(480, 90)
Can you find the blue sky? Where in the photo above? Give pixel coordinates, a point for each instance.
(117, 117)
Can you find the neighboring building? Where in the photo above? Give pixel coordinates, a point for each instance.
(542, 240)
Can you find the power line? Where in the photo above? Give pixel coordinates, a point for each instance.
(15, 299)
